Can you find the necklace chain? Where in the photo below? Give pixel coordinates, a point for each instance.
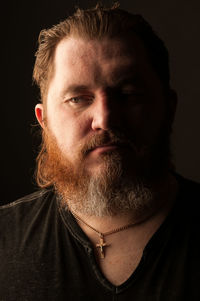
(101, 233)
(102, 244)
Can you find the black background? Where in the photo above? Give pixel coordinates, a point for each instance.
(177, 22)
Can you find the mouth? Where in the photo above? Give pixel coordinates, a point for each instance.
(107, 148)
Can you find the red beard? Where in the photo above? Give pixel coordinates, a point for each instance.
(132, 164)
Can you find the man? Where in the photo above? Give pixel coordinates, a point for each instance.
(112, 220)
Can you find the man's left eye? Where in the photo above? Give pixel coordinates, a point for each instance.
(132, 92)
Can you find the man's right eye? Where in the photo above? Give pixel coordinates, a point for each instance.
(80, 101)
(76, 99)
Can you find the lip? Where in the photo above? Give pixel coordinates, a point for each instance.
(104, 148)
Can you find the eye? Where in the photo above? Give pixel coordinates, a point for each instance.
(80, 101)
(131, 91)
(75, 99)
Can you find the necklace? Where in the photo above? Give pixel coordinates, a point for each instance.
(102, 244)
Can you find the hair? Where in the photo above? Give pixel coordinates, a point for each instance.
(97, 23)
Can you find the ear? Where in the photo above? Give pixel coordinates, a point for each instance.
(172, 100)
(39, 113)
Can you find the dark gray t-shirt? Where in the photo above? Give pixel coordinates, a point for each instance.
(44, 255)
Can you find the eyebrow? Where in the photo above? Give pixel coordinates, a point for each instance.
(129, 78)
(74, 88)
(119, 76)
(124, 74)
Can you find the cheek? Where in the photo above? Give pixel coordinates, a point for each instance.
(68, 128)
(154, 121)
(145, 122)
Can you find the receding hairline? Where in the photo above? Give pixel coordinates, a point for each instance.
(98, 23)
(126, 40)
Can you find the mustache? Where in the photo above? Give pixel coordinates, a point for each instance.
(107, 138)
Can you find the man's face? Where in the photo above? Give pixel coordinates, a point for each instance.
(105, 100)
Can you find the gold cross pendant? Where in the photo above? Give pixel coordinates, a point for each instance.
(101, 246)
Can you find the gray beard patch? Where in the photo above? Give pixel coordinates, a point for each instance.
(108, 192)
(98, 201)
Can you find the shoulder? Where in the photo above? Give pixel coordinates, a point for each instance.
(189, 191)
(189, 185)
(32, 199)
(37, 195)
(24, 209)
(187, 207)
(25, 220)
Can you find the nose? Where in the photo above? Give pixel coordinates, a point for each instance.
(104, 113)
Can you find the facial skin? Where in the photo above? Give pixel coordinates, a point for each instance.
(106, 101)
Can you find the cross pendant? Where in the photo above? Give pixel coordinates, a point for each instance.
(101, 246)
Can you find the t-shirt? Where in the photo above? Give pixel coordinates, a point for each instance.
(44, 254)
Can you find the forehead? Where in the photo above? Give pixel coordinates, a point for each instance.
(93, 61)
(104, 48)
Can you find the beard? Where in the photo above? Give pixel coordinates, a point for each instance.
(125, 179)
